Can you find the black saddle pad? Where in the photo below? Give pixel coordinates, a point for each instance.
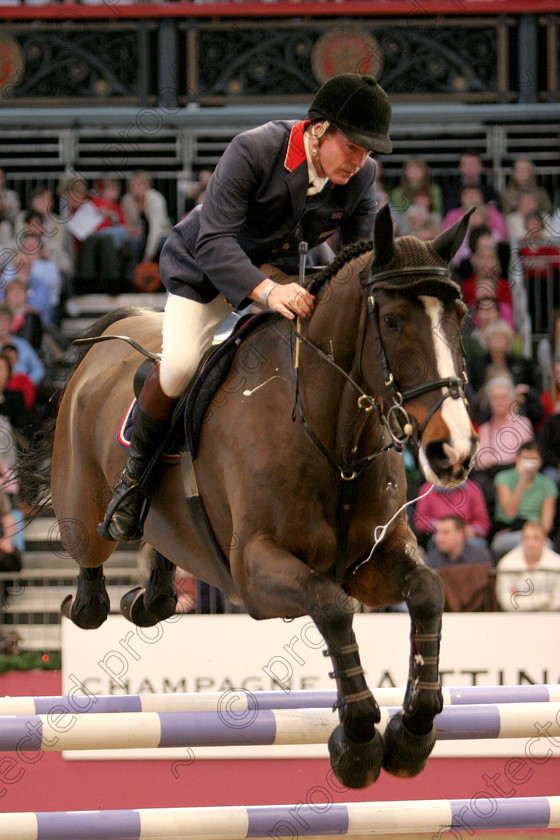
(212, 371)
(189, 414)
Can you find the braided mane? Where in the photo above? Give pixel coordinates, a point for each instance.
(350, 252)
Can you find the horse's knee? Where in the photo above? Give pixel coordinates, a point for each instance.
(255, 610)
(425, 592)
(328, 603)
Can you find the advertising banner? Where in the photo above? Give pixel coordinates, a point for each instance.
(201, 653)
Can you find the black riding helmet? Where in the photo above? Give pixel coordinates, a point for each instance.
(358, 107)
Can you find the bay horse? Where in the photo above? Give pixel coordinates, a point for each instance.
(301, 474)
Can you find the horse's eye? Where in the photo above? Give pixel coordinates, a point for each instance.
(391, 323)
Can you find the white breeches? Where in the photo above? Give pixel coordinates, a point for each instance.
(188, 330)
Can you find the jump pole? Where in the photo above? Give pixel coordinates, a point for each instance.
(64, 731)
(238, 823)
(238, 700)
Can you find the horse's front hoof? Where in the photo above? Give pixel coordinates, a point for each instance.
(406, 754)
(134, 609)
(356, 764)
(88, 617)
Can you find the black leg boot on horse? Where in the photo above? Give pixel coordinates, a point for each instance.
(157, 599)
(127, 510)
(90, 606)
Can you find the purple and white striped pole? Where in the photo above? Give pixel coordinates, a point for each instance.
(239, 823)
(239, 700)
(61, 730)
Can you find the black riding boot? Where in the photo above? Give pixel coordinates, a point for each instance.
(127, 510)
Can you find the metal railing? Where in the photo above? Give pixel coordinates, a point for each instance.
(538, 293)
(42, 145)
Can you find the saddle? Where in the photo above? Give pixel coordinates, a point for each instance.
(188, 417)
(212, 371)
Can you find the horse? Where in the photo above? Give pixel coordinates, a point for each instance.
(300, 471)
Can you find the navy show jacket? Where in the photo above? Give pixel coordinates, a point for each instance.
(256, 210)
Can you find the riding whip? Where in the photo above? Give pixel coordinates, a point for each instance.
(302, 255)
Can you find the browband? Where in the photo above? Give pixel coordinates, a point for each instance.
(431, 270)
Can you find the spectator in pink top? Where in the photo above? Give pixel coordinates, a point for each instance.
(505, 431)
(484, 215)
(465, 501)
(500, 437)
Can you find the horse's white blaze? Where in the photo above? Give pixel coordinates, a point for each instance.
(454, 412)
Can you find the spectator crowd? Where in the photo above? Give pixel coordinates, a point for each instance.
(495, 540)
(502, 524)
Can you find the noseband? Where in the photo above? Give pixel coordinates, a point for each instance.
(397, 414)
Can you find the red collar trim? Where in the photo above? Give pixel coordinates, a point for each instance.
(295, 155)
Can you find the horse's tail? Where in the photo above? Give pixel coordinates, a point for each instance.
(33, 469)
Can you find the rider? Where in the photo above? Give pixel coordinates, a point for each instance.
(275, 186)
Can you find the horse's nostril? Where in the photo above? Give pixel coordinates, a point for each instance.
(436, 453)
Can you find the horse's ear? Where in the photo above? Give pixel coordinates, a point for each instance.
(383, 236)
(448, 243)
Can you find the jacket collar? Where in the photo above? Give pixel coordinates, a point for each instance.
(295, 153)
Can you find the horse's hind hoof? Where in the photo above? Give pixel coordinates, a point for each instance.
(355, 764)
(89, 617)
(160, 594)
(406, 754)
(134, 609)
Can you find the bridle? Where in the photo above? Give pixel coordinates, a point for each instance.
(454, 384)
(396, 421)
